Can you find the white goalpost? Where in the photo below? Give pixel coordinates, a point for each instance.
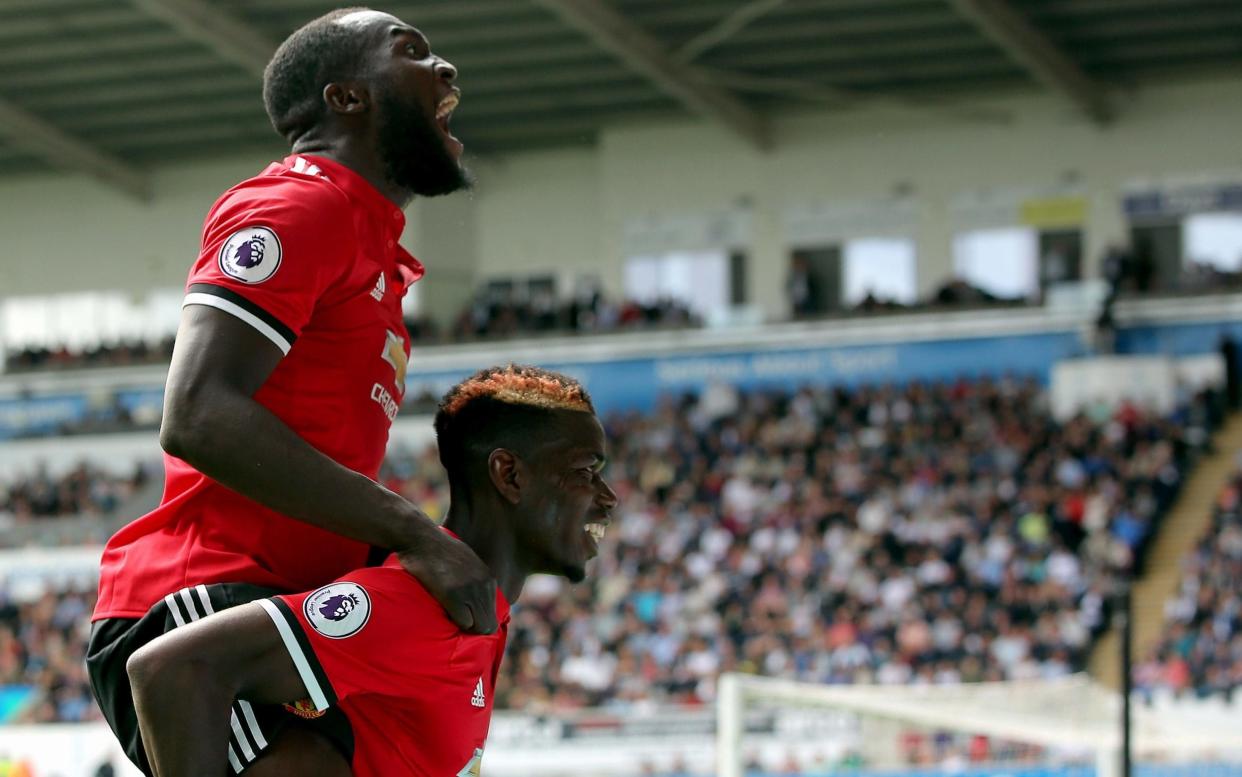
(1070, 723)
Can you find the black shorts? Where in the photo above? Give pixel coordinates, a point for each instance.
(255, 726)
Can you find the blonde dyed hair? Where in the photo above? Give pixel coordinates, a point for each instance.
(519, 384)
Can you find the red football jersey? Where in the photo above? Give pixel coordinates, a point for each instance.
(416, 690)
(307, 254)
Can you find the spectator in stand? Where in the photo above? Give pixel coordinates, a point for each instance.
(870, 303)
(959, 292)
(1206, 276)
(803, 289)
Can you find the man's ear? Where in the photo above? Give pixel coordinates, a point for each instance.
(349, 98)
(507, 473)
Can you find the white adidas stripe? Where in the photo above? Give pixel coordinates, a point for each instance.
(240, 738)
(317, 696)
(178, 618)
(190, 608)
(300, 165)
(252, 723)
(204, 599)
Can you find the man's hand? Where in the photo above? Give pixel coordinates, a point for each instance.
(456, 577)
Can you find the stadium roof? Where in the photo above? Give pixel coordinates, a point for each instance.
(114, 87)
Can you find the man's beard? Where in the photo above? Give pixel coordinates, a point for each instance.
(413, 150)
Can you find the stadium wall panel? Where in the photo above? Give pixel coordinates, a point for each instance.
(568, 212)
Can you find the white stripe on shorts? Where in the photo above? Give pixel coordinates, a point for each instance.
(240, 738)
(190, 608)
(204, 599)
(317, 696)
(252, 724)
(171, 602)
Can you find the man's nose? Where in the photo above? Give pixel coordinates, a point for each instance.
(446, 71)
(607, 498)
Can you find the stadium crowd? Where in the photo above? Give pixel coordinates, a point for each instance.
(492, 316)
(932, 534)
(1201, 649)
(43, 655)
(926, 534)
(105, 355)
(84, 490)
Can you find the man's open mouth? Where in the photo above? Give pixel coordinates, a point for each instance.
(444, 111)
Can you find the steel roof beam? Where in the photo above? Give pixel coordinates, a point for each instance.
(109, 95)
(837, 97)
(645, 54)
(28, 131)
(86, 76)
(726, 28)
(225, 34)
(660, 14)
(1036, 52)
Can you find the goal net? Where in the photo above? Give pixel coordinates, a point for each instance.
(1069, 727)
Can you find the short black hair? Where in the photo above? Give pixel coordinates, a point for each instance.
(513, 406)
(316, 54)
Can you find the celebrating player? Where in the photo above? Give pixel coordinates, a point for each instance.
(524, 454)
(290, 363)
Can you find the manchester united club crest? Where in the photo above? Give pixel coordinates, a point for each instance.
(305, 709)
(394, 354)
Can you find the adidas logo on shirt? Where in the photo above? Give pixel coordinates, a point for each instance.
(380, 287)
(300, 165)
(478, 699)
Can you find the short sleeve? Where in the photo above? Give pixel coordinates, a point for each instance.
(270, 250)
(376, 632)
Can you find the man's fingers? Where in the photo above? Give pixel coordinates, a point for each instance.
(462, 616)
(484, 607)
(484, 624)
(476, 614)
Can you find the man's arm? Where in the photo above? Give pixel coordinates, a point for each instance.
(212, 421)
